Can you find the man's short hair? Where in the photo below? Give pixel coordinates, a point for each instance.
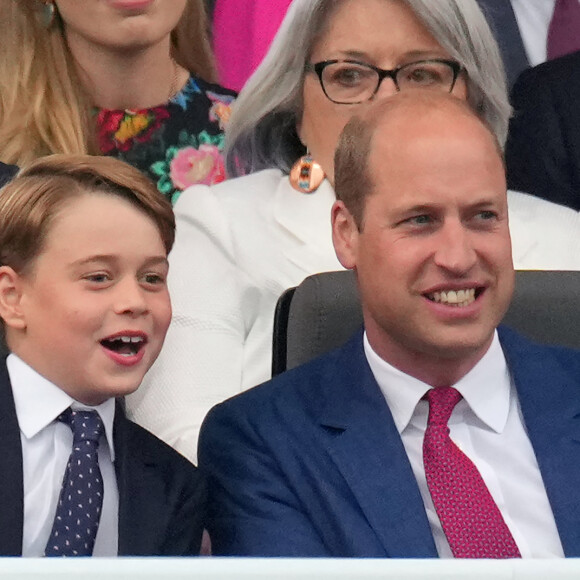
(33, 199)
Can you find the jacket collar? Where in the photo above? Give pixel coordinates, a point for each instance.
(367, 449)
(306, 219)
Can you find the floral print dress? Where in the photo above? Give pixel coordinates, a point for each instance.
(177, 144)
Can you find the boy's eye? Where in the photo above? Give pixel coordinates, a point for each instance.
(153, 278)
(98, 277)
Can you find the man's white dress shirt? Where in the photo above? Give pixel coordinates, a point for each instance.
(487, 426)
(533, 17)
(46, 446)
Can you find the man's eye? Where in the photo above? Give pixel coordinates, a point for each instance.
(419, 220)
(487, 215)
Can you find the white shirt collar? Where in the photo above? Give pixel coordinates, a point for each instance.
(39, 402)
(486, 388)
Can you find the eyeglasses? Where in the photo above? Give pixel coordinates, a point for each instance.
(348, 82)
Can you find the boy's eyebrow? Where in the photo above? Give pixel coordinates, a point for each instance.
(151, 261)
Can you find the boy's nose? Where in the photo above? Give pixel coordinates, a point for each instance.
(131, 299)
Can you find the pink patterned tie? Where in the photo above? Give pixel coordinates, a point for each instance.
(471, 520)
(564, 30)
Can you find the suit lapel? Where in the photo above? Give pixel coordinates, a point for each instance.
(549, 399)
(11, 486)
(502, 20)
(306, 220)
(371, 457)
(139, 487)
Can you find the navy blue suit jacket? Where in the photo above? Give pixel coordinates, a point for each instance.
(161, 494)
(311, 463)
(502, 21)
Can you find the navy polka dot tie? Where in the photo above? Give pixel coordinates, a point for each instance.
(81, 498)
(471, 520)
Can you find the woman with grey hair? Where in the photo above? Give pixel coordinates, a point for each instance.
(240, 244)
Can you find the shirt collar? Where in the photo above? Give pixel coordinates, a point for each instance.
(486, 388)
(39, 402)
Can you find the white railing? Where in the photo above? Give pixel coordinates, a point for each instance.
(285, 569)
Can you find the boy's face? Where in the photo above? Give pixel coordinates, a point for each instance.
(95, 306)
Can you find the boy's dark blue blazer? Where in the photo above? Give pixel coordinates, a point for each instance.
(161, 494)
(311, 463)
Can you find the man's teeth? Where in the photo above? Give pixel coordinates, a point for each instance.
(454, 297)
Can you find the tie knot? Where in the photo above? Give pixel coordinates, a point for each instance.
(85, 425)
(442, 401)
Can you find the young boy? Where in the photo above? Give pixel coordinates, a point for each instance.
(85, 307)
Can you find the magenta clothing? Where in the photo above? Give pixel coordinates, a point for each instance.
(242, 33)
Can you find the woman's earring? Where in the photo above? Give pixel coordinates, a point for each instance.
(48, 14)
(306, 174)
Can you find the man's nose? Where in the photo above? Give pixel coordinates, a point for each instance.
(455, 250)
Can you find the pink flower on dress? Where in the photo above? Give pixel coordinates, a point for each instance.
(190, 166)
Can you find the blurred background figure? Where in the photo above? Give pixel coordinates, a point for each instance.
(242, 33)
(6, 173)
(543, 147)
(531, 31)
(241, 243)
(118, 77)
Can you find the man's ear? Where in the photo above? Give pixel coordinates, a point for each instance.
(345, 235)
(11, 298)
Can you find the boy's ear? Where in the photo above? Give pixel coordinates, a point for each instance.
(11, 298)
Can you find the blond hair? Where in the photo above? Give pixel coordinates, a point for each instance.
(32, 200)
(43, 106)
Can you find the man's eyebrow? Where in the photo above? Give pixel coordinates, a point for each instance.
(435, 205)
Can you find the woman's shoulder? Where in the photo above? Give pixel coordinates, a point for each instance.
(545, 235)
(244, 189)
(230, 203)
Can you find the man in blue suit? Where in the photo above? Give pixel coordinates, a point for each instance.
(348, 456)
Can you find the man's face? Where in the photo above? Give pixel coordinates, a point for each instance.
(433, 257)
(95, 305)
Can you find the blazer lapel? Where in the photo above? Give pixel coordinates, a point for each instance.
(502, 21)
(371, 457)
(11, 486)
(306, 220)
(549, 398)
(139, 484)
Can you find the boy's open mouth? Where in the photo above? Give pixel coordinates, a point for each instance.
(124, 345)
